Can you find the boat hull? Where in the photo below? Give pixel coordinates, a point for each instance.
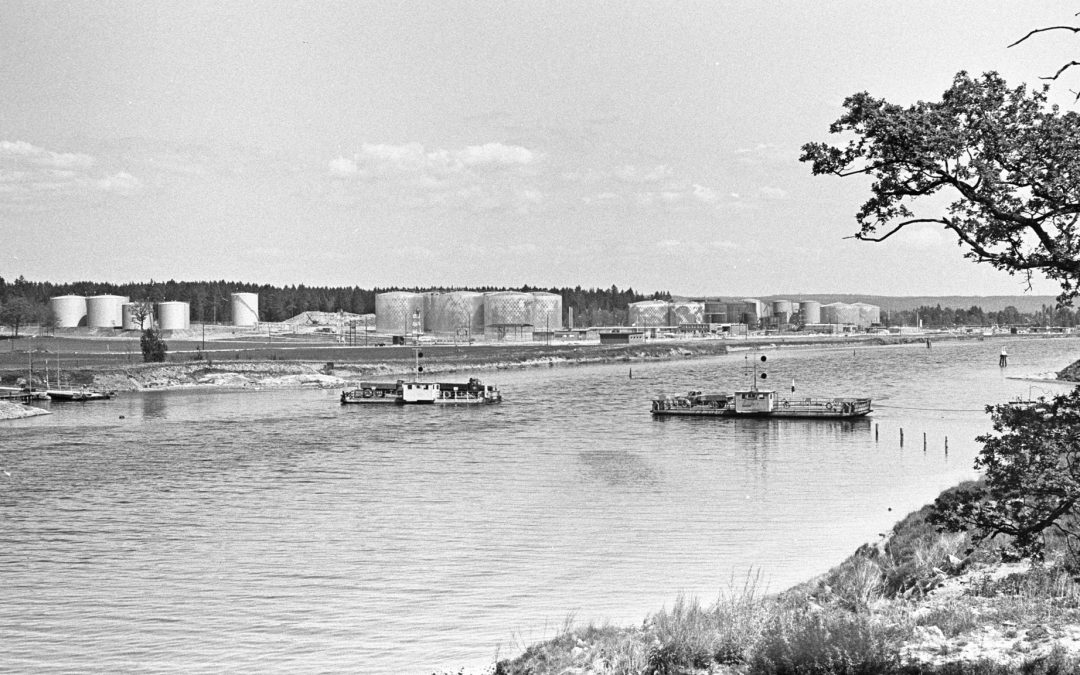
(74, 395)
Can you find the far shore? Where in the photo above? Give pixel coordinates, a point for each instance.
(77, 363)
(118, 366)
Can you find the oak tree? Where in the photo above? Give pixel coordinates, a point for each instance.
(1007, 162)
(1031, 478)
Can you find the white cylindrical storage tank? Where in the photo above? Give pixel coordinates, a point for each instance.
(174, 315)
(104, 311)
(430, 298)
(507, 308)
(546, 311)
(457, 311)
(868, 314)
(68, 311)
(395, 312)
(245, 309)
(811, 311)
(130, 322)
(683, 313)
(650, 313)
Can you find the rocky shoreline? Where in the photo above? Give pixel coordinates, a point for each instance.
(11, 410)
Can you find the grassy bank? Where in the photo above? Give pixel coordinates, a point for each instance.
(916, 602)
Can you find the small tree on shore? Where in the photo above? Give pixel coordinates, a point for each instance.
(1031, 480)
(153, 347)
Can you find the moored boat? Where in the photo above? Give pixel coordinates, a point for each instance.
(80, 395)
(757, 402)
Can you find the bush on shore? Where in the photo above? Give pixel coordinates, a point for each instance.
(853, 620)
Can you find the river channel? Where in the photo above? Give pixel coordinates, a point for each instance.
(278, 531)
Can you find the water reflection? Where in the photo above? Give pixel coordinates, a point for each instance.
(154, 405)
(619, 468)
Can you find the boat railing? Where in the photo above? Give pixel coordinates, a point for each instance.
(819, 405)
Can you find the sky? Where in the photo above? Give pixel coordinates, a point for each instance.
(651, 145)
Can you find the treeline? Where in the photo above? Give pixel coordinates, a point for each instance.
(210, 300)
(948, 317)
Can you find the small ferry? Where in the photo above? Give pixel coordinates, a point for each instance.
(402, 392)
(757, 402)
(473, 392)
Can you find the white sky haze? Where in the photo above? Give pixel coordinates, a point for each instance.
(644, 144)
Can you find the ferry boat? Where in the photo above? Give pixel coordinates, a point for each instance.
(757, 402)
(473, 392)
(401, 392)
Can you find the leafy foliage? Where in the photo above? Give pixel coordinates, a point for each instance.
(153, 347)
(1007, 159)
(1031, 484)
(18, 312)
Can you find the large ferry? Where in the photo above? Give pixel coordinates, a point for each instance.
(402, 392)
(757, 402)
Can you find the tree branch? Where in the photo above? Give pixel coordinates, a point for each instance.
(1074, 29)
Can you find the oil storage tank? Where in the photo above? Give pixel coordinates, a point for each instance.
(68, 311)
(811, 311)
(507, 308)
(430, 298)
(781, 311)
(129, 312)
(457, 311)
(104, 311)
(546, 312)
(868, 314)
(650, 313)
(839, 313)
(174, 315)
(683, 313)
(396, 310)
(245, 309)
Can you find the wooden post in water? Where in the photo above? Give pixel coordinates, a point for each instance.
(901, 437)
(924, 441)
(875, 432)
(946, 445)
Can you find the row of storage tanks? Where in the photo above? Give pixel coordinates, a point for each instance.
(452, 312)
(117, 311)
(751, 312)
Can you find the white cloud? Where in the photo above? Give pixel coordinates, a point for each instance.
(343, 167)
(39, 178)
(382, 160)
(495, 154)
(29, 154)
(705, 194)
(120, 183)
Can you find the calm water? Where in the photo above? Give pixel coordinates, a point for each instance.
(279, 531)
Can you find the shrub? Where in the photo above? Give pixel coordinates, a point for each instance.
(802, 642)
(153, 347)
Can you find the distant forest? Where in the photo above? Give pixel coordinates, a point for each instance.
(27, 302)
(209, 300)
